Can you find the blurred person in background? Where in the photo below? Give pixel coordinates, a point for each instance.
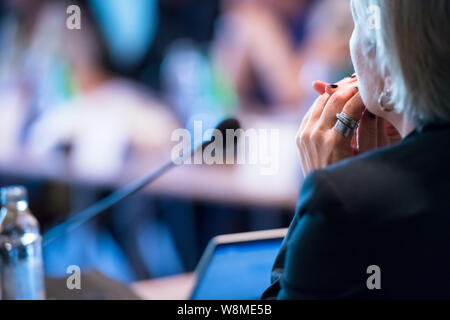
(41, 65)
(325, 52)
(257, 45)
(58, 82)
(269, 49)
(57, 89)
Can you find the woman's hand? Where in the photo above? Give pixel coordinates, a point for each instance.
(321, 145)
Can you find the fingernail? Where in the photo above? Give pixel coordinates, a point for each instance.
(353, 75)
(371, 115)
(333, 86)
(357, 89)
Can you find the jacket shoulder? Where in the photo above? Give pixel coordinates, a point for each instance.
(378, 183)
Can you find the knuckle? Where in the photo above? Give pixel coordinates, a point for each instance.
(316, 137)
(302, 137)
(298, 139)
(331, 140)
(305, 120)
(338, 98)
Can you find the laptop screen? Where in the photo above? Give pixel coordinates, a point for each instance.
(238, 271)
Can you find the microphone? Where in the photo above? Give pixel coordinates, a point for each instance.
(76, 220)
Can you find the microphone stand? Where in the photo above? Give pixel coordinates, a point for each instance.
(81, 217)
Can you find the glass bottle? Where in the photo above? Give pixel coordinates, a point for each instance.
(21, 267)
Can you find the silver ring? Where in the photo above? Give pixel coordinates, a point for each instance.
(347, 120)
(345, 124)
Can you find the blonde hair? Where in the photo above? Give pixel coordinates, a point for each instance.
(411, 38)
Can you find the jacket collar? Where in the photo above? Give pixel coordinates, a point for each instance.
(429, 127)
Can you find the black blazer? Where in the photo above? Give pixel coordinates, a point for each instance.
(389, 208)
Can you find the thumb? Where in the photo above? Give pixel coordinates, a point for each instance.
(319, 86)
(367, 132)
(392, 134)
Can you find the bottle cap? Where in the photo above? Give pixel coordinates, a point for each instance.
(13, 194)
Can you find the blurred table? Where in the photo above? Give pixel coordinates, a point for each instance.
(94, 286)
(176, 287)
(242, 184)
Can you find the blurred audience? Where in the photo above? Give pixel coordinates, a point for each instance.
(59, 91)
(270, 49)
(257, 45)
(326, 53)
(38, 69)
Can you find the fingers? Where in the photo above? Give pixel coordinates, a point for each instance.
(319, 106)
(332, 88)
(392, 134)
(319, 144)
(319, 86)
(316, 108)
(367, 133)
(354, 108)
(382, 137)
(337, 103)
(305, 121)
(387, 134)
(322, 114)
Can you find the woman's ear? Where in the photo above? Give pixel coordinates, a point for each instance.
(384, 99)
(387, 87)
